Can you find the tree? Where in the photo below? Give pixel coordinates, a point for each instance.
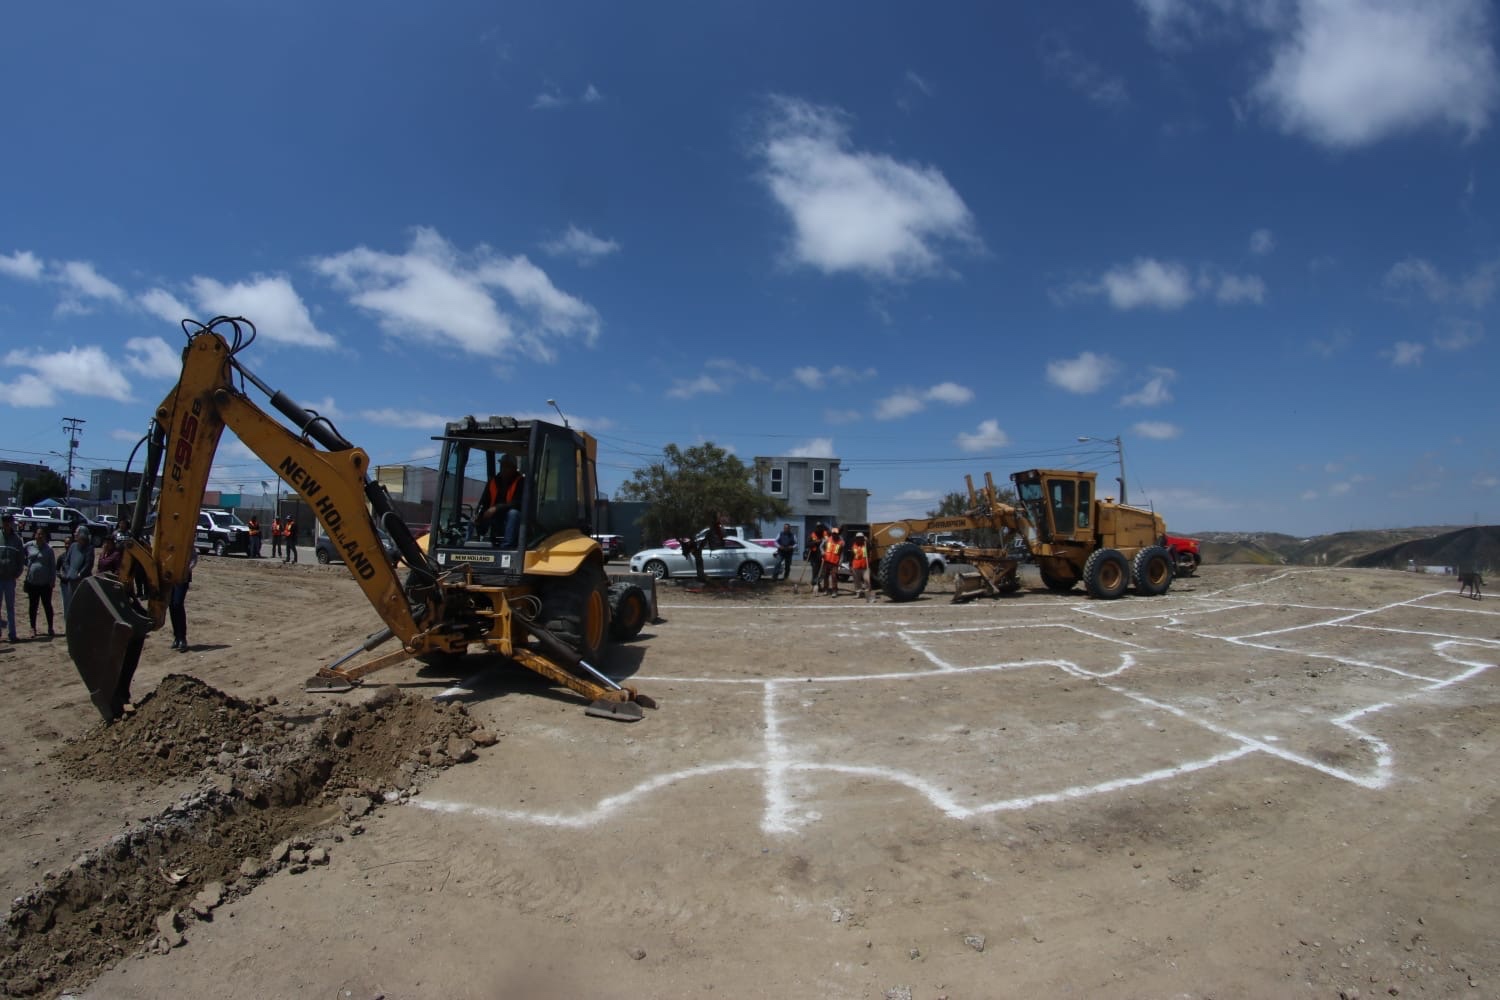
(48, 484)
(688, 488)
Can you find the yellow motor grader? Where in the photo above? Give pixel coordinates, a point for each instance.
(1071, 534)
(540, 598)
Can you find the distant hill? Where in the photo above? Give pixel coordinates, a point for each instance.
(1436, 546)
(1465, 548)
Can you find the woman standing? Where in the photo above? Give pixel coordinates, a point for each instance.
(41, 575)
(77, 564)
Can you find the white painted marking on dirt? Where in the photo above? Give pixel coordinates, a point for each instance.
(784, 816)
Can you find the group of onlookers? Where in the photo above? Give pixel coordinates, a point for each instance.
(40, 570)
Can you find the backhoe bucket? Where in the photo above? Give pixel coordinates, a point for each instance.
(106, 631)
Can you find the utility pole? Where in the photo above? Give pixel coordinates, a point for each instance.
(74, 427)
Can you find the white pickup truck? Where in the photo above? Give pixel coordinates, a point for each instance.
(60, 523)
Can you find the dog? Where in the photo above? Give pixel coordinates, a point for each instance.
(1471, 582)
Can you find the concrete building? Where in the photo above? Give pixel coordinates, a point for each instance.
(812, 488)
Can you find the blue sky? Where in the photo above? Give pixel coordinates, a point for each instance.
(1255, 239)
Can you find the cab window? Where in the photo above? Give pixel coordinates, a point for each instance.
(1063, 505)
(1085, 503)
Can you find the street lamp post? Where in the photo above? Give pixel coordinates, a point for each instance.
(1119, 451)
(553, 403)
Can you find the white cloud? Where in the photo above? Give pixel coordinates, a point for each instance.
(951, 393)
(271, 303)
(1262, 242)
(1154, 392)
(581, 245)
(1234, 288)
(28, 390)
(1404, 353)
(22, 264)
(1156, 430)
(1474, 290)
(917, 496)
(1084, 374)
(816, 448)
(412, 419)
(899, 404)
(591, 94)
(687, 388)
(1457, 335)
(1082, 74)
(153, 357)
(987, 437)
(432, 294)
(164, 305)
(842, 416)
(549, 100)
(81, 285)
(905, 402)
(814, 377)
(855, 211)
(1148, 282)
(83, 371)
(1353, 72)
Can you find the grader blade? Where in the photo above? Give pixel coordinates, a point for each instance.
(106, 630)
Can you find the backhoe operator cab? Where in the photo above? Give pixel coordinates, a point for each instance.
(1106, 545)
(556, 498)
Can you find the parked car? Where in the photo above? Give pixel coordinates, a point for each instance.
(221, 532)
(743, 560)
(61, 522)
(325, 551)
(613, 546)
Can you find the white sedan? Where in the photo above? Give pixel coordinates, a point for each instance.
(735, 559)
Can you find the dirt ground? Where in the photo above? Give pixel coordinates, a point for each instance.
(1269, 783)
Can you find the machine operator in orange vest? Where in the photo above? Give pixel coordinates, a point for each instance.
(500, 506)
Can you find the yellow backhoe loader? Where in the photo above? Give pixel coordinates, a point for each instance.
(1071, 534)
(540, 597)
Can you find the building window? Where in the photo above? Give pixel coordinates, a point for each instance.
(778, 484)
(819, 482)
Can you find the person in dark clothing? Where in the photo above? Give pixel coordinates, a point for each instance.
(814, 553)
(12, 565)
(177, 606)
(786, 549)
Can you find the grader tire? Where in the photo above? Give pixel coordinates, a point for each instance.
(903, 572)
(1057, 583)
(1152, 571)
(1106, 575)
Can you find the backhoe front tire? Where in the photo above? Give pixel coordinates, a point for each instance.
(1106, 575)
(576, 610)
(1152, 570)
(903, 572)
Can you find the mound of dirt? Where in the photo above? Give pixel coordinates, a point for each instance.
(1466, 549)
(264, 779)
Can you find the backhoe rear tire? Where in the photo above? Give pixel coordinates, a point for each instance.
(629, 607)
(1152, 570)
(576, 610)
(903, 572)
(1106, 575)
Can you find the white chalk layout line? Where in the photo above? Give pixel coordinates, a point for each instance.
(778, 760)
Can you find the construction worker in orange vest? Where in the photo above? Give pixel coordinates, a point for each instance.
(859, 568)
(833, 551)
(289, 539)
(275, 537)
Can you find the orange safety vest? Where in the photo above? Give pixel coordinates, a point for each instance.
(857, 557)
(833, 546)
(492, 492)
(276, 528)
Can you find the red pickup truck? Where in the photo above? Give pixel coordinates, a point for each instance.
(1185, 551)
